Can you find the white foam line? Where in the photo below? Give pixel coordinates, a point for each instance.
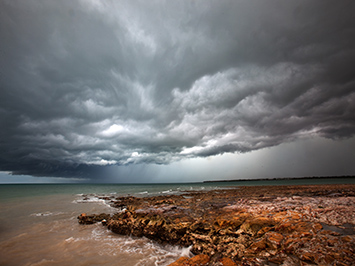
(47, 213)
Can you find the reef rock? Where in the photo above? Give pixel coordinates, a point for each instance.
(281, 225)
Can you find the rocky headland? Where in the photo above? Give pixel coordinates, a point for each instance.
(259, 225)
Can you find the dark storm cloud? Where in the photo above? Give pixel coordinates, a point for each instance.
(90, 83)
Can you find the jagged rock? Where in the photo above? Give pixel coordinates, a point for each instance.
(199, 260)
(274, 239)
(227, 262)
(254, 225)
(180, 262)
(256, 247)
(288, 225)
(90, 219)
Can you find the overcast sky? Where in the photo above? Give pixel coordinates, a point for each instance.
(166, 91)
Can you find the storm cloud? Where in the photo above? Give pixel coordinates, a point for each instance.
(86, 84)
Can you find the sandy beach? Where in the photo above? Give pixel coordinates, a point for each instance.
(248, 225)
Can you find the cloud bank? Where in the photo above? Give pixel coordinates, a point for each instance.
(85, 84)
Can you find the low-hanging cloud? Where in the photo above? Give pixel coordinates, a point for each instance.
(86, 84)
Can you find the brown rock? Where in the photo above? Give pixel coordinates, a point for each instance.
(287, 261)
(199, 260)
(252, 226)
(329, 232)
(306, 255)
(347, 239)
(292, 244)
(180, 262)
(263, 230)
(317, 227)
(90, 219)
(283, 227)
(257, 246)
(254, 261)
(227, 262)
(332, 242)
(274, 239)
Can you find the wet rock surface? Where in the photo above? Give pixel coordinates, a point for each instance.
(262, 225)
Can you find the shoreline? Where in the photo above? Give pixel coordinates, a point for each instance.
(246, 225)
(281, 179)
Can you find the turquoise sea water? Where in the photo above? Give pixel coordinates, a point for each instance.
(38, 223)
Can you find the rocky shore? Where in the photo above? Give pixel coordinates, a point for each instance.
(260, 225)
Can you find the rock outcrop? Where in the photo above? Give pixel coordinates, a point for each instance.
(283, 225)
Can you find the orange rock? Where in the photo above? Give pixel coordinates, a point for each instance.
(339, 263)
(280, 216)
(279, 227)
(317, 227)
(289, 226)
(292, 244)
(253, 225)
(274, 238)
(257, 246)
(304, 235)
(332, 242)
(231, 219)
(180, 262)
(199, 260)
(303, 226)
(285, 227)
(227, 262)
(337, 255)
(263, 230)
(307, 256)
(329, 232)
(329, 258)
(277, 260)
(346, 239)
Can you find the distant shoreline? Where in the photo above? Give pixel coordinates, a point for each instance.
(281, 178)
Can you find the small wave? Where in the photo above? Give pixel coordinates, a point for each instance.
(89, 200)
(48, 213)
(43, 262)
(70, 239)
(120, 210)
(144, 192)
(144, 252)
(96, 199)
(167, 191)
(164, 255)
(98, 232)
(182, 251)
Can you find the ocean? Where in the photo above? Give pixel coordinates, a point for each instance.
(38, 223)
